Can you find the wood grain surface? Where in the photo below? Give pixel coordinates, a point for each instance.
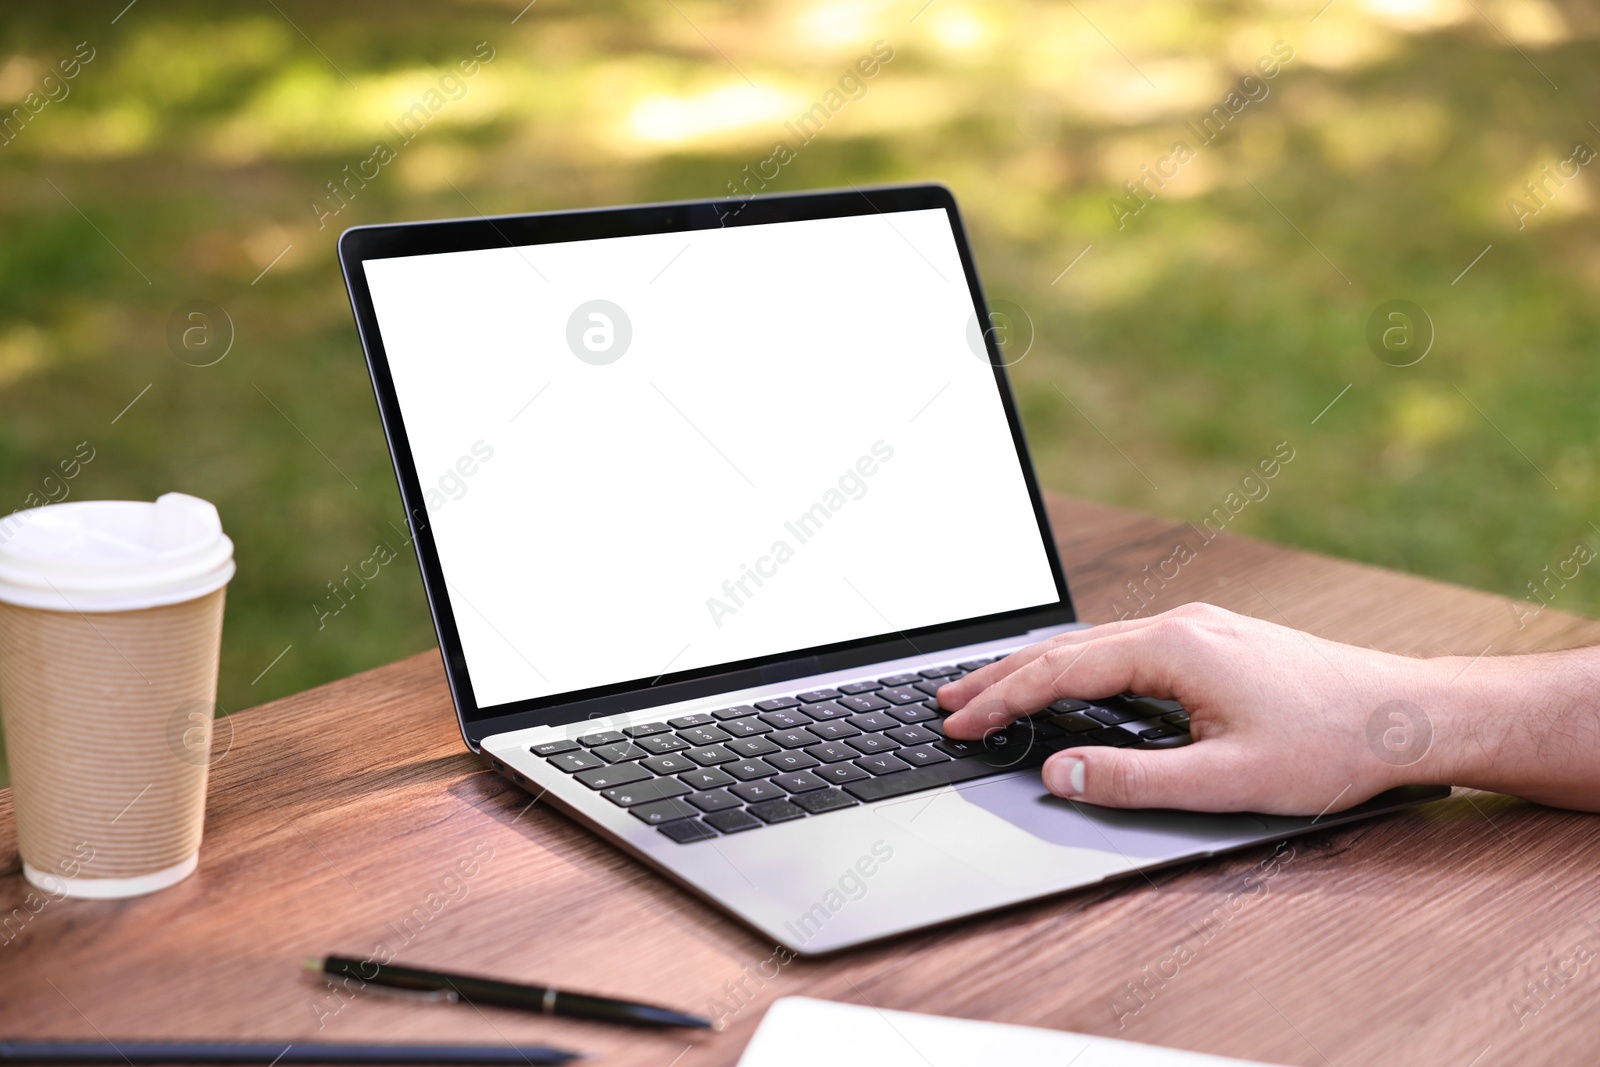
(349, 817)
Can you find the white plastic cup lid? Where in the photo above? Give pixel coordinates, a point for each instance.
(113, 555)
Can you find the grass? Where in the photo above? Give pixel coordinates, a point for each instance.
(1222, 318)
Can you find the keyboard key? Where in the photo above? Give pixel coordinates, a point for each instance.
(687, 833)
(864, 702)
(828, 800)
(743, 711)
(1044, 730)
(676, 763)
(734, 820)
(749, 727)
(785, 720)
(649, 729)
(958, 748)
(790, 761)
(854, 688)
(900, 679)
(755, 792)
(922, 755)
(828, 709)
(931, 688)
(719, 800)
(911, 713)
(1178, 720)
(1023, 752)
(703, 735)
(554, 748)
(911, 735)
(711, 755)
(749, 769)
(1075, 722)
(802, 782)
(620, 752)
(685, 722)
(902, 695)
(705, 778)
(574, 761)
(628, 796)
(918, 779)
(751, 746)
(973, 664)
(1006, 744)
(872, 721)
(1159, 734)
(1136, 730)
(661, 744)
(1064, 706)
(604, 737)
(661, 811)
(1110, 716)
(799, 737)
(833, 731)
(776, 811)
(840, 773)
(816, 696)
(1110, 735)
(882, 764)
(777, 703)
(831, 752)
(1161, 706)
(605, 777)
(940, 672)
(871, 744)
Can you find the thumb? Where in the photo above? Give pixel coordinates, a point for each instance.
(1196, 777)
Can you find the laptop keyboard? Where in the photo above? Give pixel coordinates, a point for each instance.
(697, 777)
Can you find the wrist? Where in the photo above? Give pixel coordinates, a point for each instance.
(1464, 705)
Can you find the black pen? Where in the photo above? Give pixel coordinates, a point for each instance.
(278, 1052)
(547, 1001)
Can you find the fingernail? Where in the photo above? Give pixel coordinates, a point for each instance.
(1066, 777)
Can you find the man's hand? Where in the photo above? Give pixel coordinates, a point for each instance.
(1286, 723)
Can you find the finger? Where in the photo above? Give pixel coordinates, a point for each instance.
(955, 696)
(1204, 776)
(1131, 659)
(957, 693)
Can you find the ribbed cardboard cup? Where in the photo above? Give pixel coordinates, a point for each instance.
(110, 632)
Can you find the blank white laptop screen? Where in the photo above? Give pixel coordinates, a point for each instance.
(648, 454)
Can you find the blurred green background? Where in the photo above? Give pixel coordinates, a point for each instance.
(187, 158)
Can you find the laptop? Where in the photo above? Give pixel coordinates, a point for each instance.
(709, 499)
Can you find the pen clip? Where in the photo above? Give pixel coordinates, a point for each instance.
(431, 995)
(437, 996)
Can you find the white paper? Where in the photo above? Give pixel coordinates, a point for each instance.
(802, 1032)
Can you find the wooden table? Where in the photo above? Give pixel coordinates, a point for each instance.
(340, 818)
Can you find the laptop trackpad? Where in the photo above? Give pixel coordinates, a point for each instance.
(1021, 834)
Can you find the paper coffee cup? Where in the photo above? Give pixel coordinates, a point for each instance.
(110, 632)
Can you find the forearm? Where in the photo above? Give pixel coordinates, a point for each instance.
(1524, 725)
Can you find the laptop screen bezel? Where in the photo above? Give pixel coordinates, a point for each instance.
(361, 244)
